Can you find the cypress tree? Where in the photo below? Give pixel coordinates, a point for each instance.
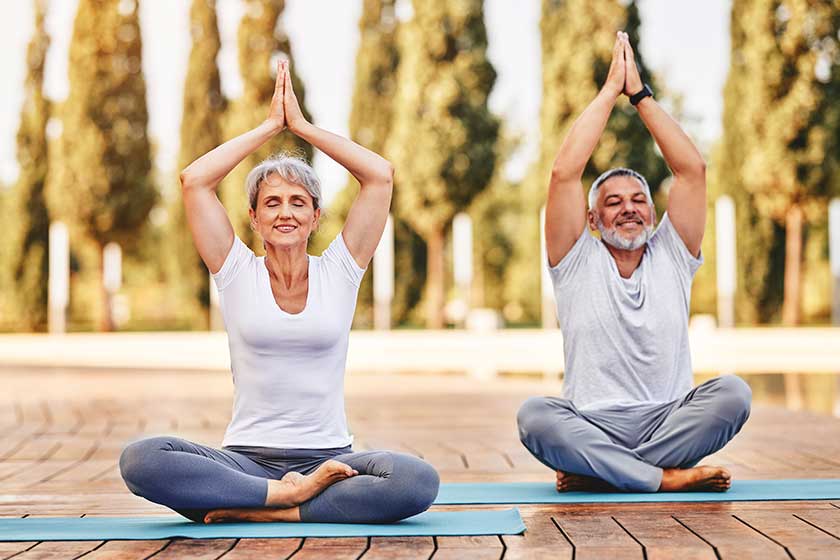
(261, 39)
(30, 259)
(577, 40)
(101, 183)
(779, 149)
(443, 142)
(201, 131)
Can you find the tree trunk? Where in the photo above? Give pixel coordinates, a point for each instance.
(793, 266)
(792, 297)
(435, 279)
(106, 322)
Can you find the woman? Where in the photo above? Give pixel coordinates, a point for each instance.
(287, 453)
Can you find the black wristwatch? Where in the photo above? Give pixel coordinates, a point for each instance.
(636, 97)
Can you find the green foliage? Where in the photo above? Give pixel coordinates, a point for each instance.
(201, 124)
(779, 149)
(443, 139)
(261, 40)
(577, 41)
(370, 124)
(28, 210)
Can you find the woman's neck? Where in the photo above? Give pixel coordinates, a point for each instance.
(287, 265)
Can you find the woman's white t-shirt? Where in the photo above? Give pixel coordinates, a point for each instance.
(288, 369)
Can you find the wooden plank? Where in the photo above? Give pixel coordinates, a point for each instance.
(477, 547)
(827, 520)
(663, 538)
(345, 548)
(400, 548)
(542, 538)
(126, 550)
(597, 537)
(731, 538)
(195, 549)
(58, 550)
(801, 540)
(264, 549)
(8, 549)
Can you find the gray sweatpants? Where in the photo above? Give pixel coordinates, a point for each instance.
(629, 445)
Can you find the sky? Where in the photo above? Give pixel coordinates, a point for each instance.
(686, 43)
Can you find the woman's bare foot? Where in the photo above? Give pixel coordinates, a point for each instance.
(696, 479)
(294, 488)
(570, 482)
(254, 515)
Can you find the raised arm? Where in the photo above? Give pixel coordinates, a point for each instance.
(687, 196)
(565, 212)
(209, 223)
(369, 212)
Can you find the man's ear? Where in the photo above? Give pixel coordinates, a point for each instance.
(592, 219)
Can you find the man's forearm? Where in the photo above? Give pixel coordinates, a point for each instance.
(680, 153)
(583, 136)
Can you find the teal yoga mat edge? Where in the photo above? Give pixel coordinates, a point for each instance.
(436, 523)
(470, 493)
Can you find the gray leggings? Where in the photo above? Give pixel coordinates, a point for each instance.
(629, 445)
(193, 479)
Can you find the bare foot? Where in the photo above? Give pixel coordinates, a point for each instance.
(294, 488)
(696, 479)
(570, 482)
(254, 515)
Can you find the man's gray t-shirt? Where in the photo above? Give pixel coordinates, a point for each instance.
(625, 340)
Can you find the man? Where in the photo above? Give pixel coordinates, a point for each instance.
(629, 418)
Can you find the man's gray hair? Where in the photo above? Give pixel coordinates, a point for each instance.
(290, 168)
(617, 172)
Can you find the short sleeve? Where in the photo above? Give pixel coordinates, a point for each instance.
(338, 256)
(573, 261)
(237, 259)
(668, 237)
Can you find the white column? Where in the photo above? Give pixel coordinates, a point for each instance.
(58, 290)
(462, 264)
(383, 278)
(112, 279)
(725, 252)
(834, 257)
(547, 307)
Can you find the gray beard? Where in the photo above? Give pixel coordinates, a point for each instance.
(613, 238)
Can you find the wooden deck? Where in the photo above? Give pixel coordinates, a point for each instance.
(61, 432)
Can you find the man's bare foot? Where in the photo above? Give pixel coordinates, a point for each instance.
(696, 479)
(294, 488)
(570, 482)
(254, 515)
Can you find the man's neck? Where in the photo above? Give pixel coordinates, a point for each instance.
(626, 261)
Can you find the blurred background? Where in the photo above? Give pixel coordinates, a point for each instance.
(104, 101)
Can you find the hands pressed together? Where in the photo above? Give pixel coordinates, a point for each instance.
(284, 111)
(623, 76)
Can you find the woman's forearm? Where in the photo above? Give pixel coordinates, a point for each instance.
(366, 166)
(209, 170)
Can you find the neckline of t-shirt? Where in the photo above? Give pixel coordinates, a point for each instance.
(310, 265)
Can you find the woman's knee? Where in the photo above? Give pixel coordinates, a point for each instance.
(733, 399)
(417, 485)
(139, 462)
(541, 417)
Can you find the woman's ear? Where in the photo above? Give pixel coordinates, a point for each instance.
(253, 216)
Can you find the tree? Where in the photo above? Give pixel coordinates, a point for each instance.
(780, 140)
(443, 142)
(261, 40)
(100, 182)
(30, 259)
(577, 40)
(201, 131)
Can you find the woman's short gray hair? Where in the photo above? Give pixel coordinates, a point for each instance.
(291, 168)
(617, 172)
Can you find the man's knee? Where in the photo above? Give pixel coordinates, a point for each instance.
(541, 418)
(733, 399)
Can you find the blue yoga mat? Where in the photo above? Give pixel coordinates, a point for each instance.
(431, 523)
(544, 493)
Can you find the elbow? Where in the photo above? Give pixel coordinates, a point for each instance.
(187, 179)
(561, 173)
(695, 170)
(385, 175)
